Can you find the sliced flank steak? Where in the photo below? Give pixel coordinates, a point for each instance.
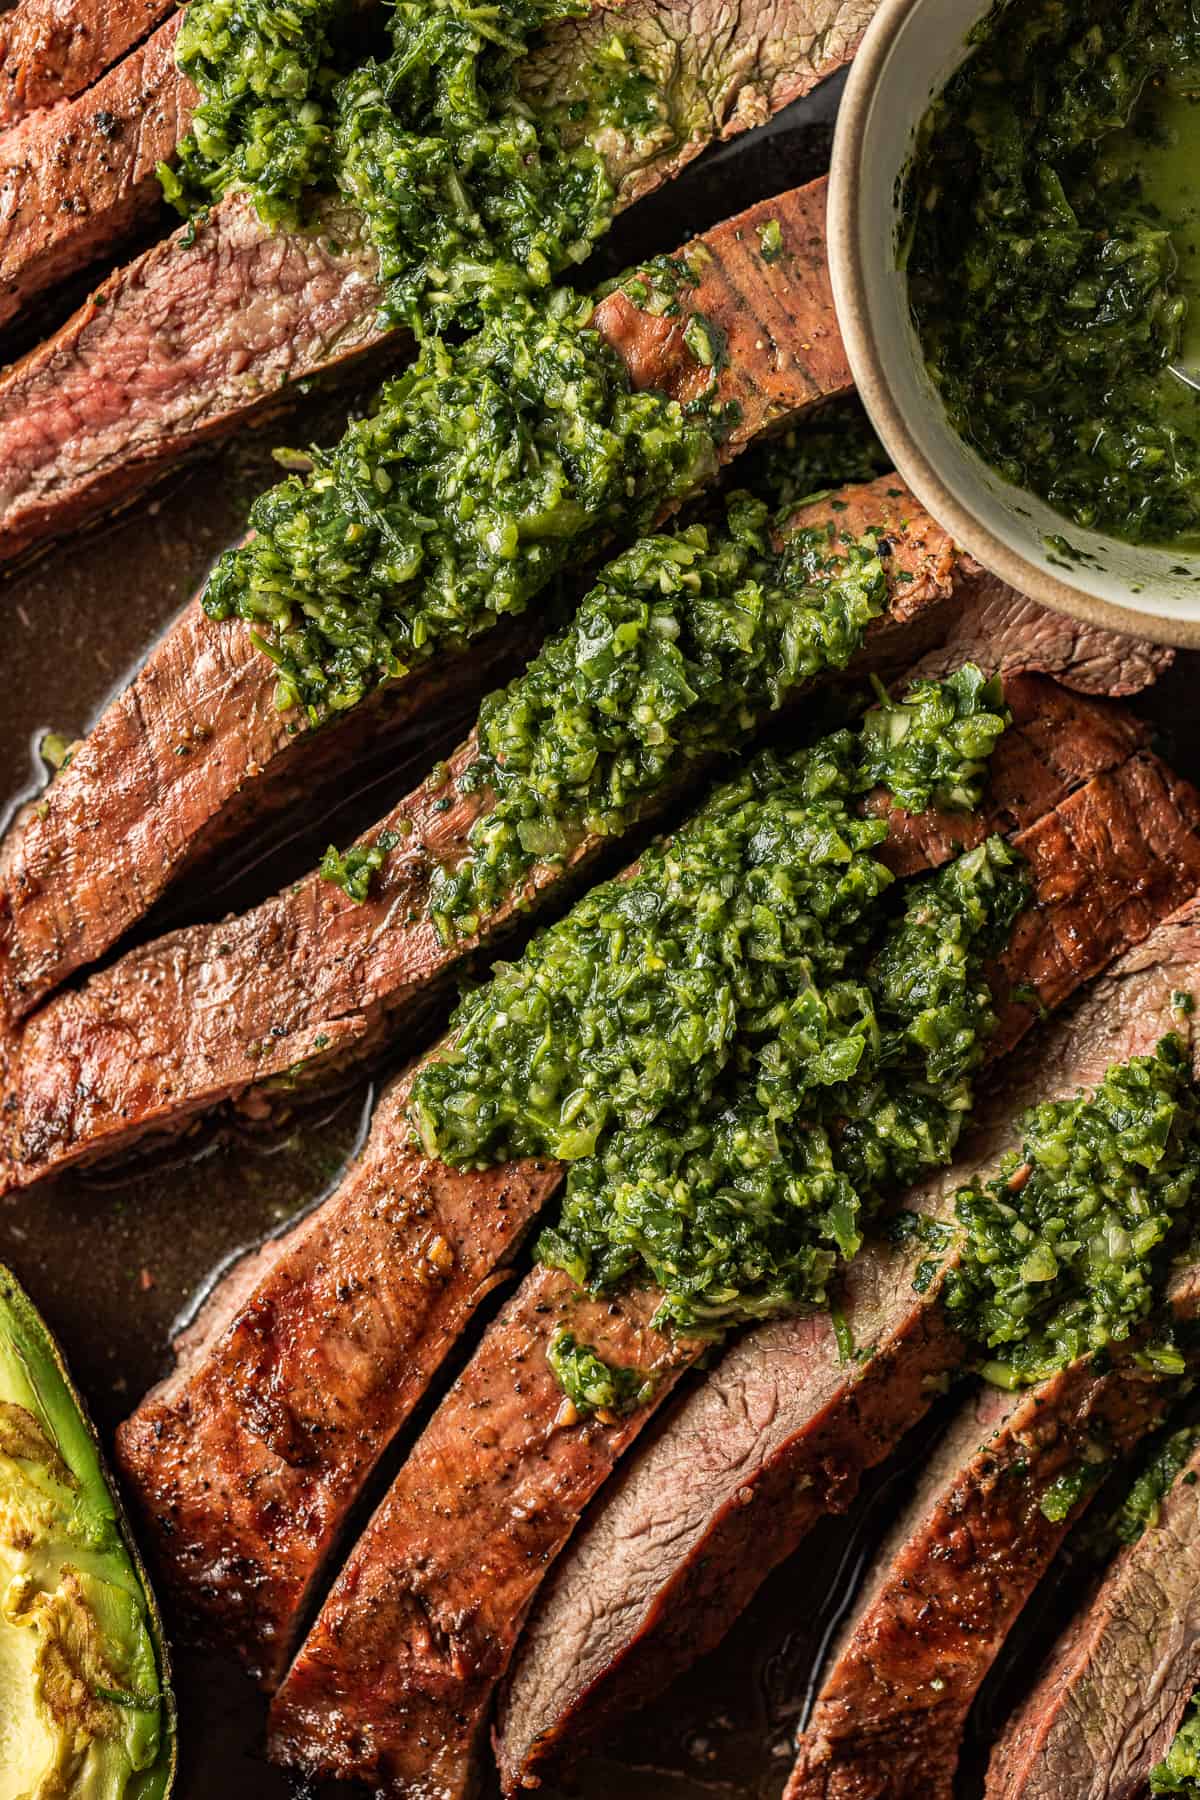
(961, 1563)
(243, 1515)
(78, 179)
(217, 1012)
(248, 1010)
(1115, 1687)
(782, 1430)
(394, 1682)
(209, 328)
(181, 756)
(51, 50)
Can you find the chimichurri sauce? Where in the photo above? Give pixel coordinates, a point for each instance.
(468, 191)
(739, 1048)
(1179, 1771)
(483, 471)
(1053, 257)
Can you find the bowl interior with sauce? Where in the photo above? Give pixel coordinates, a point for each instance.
(910, 52)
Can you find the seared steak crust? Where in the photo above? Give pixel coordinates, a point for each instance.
(78, 178)
(206, 330)
(196, 1452)
(206, 1013)
(51, 50)
(180, 756)
(394, 1682)
(245, 1465)
(782, 1431)
(955, 1575)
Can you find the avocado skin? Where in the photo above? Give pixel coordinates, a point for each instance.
(30, 1353)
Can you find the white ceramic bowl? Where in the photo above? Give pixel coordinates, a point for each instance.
(910, 50)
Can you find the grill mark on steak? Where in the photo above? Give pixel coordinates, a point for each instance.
(206, 330)
(130, 815)
(781, 1431)
(334, 1330)
(372, 1694)
(957, 1570)
(206, 1013)
(78, 178)
(51, 50)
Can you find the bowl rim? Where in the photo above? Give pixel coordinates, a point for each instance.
(848, 282)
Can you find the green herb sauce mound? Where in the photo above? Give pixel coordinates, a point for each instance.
(684, 645)
(467, 193)
(1042, 279)
(484, 470)
(679, 651)
(1179, 1771)
(735, 1046)
(1140, 1508)
(264, 74)
(593, 1385)
(1065, 1249)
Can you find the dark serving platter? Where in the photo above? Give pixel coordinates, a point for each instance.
(117, 1263)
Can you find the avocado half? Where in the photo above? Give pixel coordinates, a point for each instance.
(86, 1711)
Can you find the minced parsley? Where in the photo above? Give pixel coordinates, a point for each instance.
(742, 1207)
(593, 1385)
(679, 651)
(264, 74)
(1063, 1251)
(1139, 1510)
(355, 869)
(672, 1034)
(1049, 266)
(469, 189)
(483, 471)
(934, 746)
(1179, 1771)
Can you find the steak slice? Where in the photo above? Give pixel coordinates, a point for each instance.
(51, 50)
(204, 1014)
(246, 1461)
(960, 1565)
(394, 1683)
(208, 329)
(782, 1430)
(1115, 1687)
(78, 178)
(395, 1680)
(247, 1009)
(182, 755)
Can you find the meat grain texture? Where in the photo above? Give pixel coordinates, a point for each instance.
(781, 1431)
(243, 1523)
(51, 50)
(206, 331)
(78, 178)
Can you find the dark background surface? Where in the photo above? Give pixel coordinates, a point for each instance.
(115, 1263)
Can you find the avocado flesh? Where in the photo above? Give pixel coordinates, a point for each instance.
(85, 1712)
